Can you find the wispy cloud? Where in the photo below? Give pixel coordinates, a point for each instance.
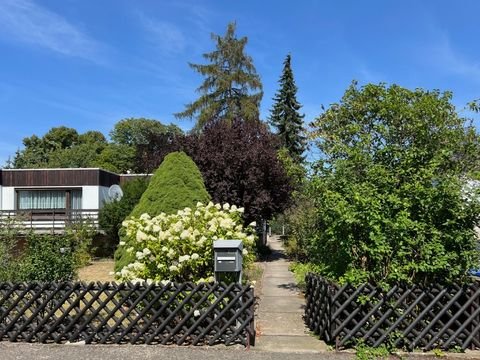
(445, 56)
(165, 35)
(30, 23)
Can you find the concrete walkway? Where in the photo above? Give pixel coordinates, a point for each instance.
(280, 325)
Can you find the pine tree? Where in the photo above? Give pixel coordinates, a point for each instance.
(285, 115)
(232, 89)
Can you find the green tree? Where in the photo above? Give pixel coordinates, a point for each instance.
(285, 115)
(118, 158)
(389, 193)
(134, 132)
(37, 151)
(231, 89)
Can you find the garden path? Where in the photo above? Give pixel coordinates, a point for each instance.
(280, 326)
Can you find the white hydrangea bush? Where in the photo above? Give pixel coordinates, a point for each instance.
(179, 247)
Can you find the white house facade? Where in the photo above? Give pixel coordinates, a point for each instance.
(51, 198)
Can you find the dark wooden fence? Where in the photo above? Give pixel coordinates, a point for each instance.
(182, 314)
(410, 317)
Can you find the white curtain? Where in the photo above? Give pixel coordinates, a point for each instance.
(41, 199)
(76, 199)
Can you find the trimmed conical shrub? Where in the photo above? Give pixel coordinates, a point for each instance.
(175, 185)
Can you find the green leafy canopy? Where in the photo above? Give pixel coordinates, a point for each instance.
(389, 191)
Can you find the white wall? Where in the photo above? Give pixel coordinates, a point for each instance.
(90, 197)
(8, 198)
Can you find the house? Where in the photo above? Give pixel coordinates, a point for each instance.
(49, 199)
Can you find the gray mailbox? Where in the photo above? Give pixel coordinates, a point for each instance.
(228, 257)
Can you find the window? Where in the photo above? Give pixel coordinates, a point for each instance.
(49, 199)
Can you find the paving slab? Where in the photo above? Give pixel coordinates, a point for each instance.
(292, 344)
(281, 304)
(280, 325)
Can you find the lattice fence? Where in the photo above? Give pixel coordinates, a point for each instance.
(406, 317)
(182, 314)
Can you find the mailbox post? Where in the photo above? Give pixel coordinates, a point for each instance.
(228, 258)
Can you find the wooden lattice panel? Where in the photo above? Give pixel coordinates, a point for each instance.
(103, 313)
(411, 317)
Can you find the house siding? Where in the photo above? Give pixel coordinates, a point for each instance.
(58, 177)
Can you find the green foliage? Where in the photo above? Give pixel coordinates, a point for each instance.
(294, 169)
(389, 195)
(285, 115)
(232, 89)
(9, 234)
(300, 271)
(47, 258)
(300, 225)
(364, 352)
(113, 213)
(117, 158)
(134, 132)
(63, 147)
(175, 185)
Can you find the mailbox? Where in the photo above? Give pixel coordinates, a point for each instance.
(228, 255)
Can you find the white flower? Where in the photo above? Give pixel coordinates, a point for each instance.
(195, 256)
(245, 252)
(141, 236)
(226, 223)
(185, 234)
(218, 206)
(252, 224)
(121, 243)
(199, 204)
(146, 251)
(156, 228)
(197, 213)
(241, 209)
(196, 313)
(173, 268)
(226, 206)
(145, 217)
(233, 208)
(183, 258)
(139, 255)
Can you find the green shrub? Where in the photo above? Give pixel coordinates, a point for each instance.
(175, 185)
(8, 237)
(47, 258)
(113, 213)
(389, 191)
(44, 257)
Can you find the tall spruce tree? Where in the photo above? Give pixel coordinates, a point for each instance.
(285, 115)
(232, 89)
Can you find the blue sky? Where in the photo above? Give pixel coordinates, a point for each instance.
(87, 64)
